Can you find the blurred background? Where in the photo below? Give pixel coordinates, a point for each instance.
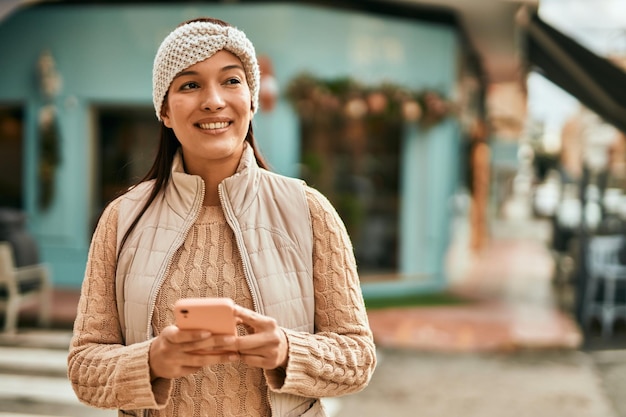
(475, 150)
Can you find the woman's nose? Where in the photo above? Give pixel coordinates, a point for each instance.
(212, 99)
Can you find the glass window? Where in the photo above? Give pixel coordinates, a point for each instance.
(128, 141)
(355, 163)
(11, 156)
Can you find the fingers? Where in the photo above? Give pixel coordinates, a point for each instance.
(267, 346)
(267, 353)
(177, 336)
(254, 320)
(194, 341)
(175, 353)
(211, 345)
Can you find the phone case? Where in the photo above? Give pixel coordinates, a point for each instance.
(213, 314)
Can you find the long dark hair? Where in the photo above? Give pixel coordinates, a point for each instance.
(161, 169)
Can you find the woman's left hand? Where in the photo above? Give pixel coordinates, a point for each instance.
(265, 346)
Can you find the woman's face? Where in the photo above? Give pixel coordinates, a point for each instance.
(209, 107)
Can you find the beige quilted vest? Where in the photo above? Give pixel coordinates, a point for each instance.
(275, 240)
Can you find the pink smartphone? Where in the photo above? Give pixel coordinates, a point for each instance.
(216, 315)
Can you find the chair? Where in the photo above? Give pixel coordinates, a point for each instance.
(604, 268)
(20, 285)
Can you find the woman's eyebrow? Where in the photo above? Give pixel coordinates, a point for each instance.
(230, 67)
(224, 69)
(184, 73)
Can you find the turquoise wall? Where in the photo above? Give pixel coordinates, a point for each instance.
(104, 54)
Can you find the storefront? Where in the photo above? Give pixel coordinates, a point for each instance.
(77, 123)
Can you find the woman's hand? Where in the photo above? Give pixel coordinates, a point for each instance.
(265, 346)
(175, 353)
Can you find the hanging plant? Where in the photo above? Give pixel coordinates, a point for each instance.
(50, 83)
(49, 155)
(315, 98)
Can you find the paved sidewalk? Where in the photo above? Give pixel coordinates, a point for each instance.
(513, 306)
(525, 384)
(510, 353)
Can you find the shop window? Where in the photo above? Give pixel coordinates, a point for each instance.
(355, 163)
(351, 139)
(350, 142)
(11, 156)
(127, 145)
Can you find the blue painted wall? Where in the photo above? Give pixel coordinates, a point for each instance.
(104, 55)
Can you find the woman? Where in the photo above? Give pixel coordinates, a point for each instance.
(209, 220)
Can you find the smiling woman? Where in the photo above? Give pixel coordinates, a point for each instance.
(209, 220)
(209, 108)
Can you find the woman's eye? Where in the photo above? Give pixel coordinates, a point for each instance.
(189, 86)
(233, 81)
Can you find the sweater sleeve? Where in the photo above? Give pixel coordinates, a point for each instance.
(103, 372)
(340, 357)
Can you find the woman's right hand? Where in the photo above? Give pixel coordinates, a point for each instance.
(175, 353)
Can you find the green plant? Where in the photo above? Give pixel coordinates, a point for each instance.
(416, 300)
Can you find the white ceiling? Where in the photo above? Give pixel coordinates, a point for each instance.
(490, 26)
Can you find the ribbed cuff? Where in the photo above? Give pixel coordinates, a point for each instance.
(137, 389)
(299, 362)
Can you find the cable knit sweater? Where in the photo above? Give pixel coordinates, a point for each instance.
(337, 360)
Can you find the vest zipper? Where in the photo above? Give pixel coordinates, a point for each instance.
(232, 221)
(179, 241)
(254, 291)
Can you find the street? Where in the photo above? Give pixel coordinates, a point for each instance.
(537, 384)
(33, 377)
(407, 383)
(582, 381)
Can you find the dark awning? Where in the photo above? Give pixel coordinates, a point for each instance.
(595, 81)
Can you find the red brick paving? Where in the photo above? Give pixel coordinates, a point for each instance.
(514, 308)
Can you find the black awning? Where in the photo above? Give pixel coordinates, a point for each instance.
(595, 81)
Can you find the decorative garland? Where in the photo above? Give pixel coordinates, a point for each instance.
(49, 135)
(49, 154)
(345, 98)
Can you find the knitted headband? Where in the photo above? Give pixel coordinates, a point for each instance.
(194, 42)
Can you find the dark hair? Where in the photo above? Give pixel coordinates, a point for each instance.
(161, 169)
(206, 20)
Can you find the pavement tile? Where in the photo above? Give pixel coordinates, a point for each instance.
(446, 329)
(512, 305)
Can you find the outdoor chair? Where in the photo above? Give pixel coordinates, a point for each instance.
(604, 269)
(22, 285)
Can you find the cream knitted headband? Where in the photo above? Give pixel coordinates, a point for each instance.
(194, 42)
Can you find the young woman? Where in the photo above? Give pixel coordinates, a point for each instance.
(209, 220)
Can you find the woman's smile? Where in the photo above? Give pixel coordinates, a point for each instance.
(213, 125)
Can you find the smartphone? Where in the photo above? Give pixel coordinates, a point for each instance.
(216, 315)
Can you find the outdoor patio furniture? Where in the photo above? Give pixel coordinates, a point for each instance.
(22, 285)
(605, 272)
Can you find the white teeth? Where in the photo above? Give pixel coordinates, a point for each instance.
(215, 125)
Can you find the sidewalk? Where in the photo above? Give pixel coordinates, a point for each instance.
(513, 312)
(514, 308)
